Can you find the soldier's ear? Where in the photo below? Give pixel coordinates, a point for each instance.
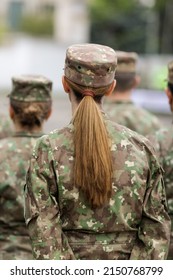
(65, 85)
(48, 114)
(112, 86)
(11, 112)
(137, 80)
(169, 95)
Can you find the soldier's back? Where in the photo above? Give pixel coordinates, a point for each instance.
(163, 142)
(15, 154)
(101, 233)
(130, 115)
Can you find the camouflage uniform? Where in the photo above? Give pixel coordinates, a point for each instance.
(130, 115)
(125, 112)
(15, 154)
(163, 142)
(6, 128)
(61, 223)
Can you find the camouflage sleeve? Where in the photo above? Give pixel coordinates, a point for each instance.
(42, 213)
(155, 142)
(154, 230)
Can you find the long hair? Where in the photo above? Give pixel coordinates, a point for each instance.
(93, 162)
(30, 114)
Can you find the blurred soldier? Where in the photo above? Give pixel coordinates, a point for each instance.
(120, 106)
(163, 141)
(94, 189)
(6, 128)
(30, 106)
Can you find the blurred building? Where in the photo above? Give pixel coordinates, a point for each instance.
(70, 17)
(72, 24)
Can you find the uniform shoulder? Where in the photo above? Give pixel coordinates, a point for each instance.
(61, 136)
(161, 136)
(8, 149)
(125, 136)
(7, 143)
(56, 138)
(164, 133)
(163, 140)
(148, 114)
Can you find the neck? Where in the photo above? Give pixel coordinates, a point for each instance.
(34, 129)
(75, 103)
(120, 96)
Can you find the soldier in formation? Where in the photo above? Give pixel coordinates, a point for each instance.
(30, 106)
(94, 188)
(120, 105)
(163, 142)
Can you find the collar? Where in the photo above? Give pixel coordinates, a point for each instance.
(118, 101)
(27, 134)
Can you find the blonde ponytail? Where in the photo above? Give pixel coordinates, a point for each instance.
(93, 163)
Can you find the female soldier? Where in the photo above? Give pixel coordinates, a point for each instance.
(30, 106)
(94, 189)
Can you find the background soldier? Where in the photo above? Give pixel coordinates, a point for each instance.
(30, 106)
(94, 188)
(163, 141)
(120, 106)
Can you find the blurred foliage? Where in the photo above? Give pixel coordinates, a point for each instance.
(2, 32)
(119, 23)
(40, 25)
(160, 4)
(133, 25)
(103, 9)
(159, 78)
(164, 11)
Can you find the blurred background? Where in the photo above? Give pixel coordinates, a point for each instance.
(34, 36)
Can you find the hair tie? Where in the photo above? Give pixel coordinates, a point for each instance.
(88, 92)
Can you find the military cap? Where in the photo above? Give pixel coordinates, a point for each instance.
(90, 65)
(31, 88)
(126, 62)
(170, 72)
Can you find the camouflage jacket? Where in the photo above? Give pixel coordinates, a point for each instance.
(62, 225)
(163, 142)
(6, 127)
(15, 154)
(130, 115)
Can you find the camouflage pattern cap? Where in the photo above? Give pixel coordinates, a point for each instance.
(90, 65)
(31, 88)
(170, 72)
(126, 62)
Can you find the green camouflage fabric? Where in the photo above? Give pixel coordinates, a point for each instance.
(90, 65)
(15, 153)
(31, 88)
(6, 127)
(163, 142)
(133, 225)
(130, 115)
